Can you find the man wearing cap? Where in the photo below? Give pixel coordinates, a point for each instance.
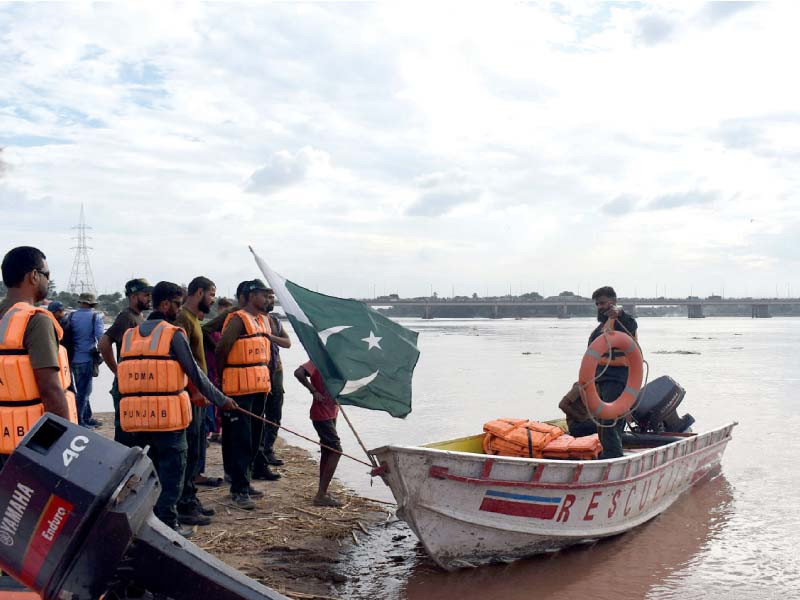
(87, 329)
(278, 338)
(57, 308)
(243, 354)
(139, 295)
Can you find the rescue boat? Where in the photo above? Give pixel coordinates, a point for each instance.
(469, 509)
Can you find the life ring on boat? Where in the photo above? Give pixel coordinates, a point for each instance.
(606, 344)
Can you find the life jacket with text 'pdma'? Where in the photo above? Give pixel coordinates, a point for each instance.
(20, 403)
(152, 384)
(247, 367)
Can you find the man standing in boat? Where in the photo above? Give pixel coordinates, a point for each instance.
(612, 376)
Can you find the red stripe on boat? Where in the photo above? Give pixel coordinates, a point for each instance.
(519, 509)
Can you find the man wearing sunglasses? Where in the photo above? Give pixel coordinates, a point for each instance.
(35, 352)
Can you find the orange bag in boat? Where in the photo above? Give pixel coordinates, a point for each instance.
(518, 437)
(587, 447)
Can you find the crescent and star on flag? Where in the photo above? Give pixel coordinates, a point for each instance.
(372, 341)
(346, 338)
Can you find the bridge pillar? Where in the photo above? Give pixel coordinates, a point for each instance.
(428, 312)
(761, 311)
(696, 311)
(563, 311)
(630, 309)
(495, 311)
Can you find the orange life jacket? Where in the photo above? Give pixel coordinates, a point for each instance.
(565, 446)
(518, 437)
(20, 404)
(152, 383)
(247, 366)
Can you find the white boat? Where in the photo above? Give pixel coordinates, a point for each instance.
(468, 508)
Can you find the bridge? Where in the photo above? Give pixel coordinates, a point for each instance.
(694, 306)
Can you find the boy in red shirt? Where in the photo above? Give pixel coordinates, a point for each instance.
(324, 411)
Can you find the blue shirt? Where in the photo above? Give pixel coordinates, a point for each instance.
(85, 334)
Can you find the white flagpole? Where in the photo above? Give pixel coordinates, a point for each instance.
(355, 433)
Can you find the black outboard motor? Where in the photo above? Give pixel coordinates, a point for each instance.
(656, 407)
(76, 520)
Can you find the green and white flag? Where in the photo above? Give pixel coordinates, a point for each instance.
(366, 359)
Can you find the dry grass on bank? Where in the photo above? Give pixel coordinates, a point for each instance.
(286, 542)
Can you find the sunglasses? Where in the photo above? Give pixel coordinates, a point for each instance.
(45, 273)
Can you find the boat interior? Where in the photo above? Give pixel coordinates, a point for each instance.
(653, 422)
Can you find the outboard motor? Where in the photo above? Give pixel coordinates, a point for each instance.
(76, 521)
(656, 407)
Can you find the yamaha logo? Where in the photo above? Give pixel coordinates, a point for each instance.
(11, 519)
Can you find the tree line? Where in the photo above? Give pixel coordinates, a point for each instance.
(110, 304)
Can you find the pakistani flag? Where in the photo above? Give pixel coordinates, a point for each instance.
(366, 359)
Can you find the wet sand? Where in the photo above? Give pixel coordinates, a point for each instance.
(286, 543)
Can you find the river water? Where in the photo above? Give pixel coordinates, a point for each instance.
(732, 536)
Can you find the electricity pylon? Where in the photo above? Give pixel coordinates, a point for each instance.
(81, 279)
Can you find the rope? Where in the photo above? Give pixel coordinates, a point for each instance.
(300, 435)
(629, 412)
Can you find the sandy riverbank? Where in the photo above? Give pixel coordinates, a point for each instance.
(286, 543)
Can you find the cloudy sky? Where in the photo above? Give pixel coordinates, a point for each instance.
(475, 147)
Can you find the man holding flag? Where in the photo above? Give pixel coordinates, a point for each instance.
(324, 411)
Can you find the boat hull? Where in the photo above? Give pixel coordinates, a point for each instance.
(470, 509)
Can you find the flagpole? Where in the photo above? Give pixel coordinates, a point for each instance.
(355, 433)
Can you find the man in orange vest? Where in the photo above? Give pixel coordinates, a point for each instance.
(141, 380)
(243, 356)
(139, 294)
(611, 381)
(38, 372)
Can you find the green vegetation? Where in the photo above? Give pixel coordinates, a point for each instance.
(110, 304)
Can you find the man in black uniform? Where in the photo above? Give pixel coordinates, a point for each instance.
(139, 294)
(273, 410)
(611, 383)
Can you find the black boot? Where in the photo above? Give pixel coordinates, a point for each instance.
(265, 473)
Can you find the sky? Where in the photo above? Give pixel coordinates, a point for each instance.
(361, 149)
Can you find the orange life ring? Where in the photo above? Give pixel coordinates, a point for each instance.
(621, 342)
